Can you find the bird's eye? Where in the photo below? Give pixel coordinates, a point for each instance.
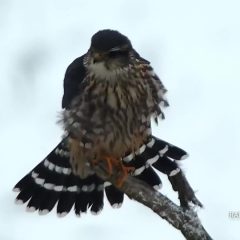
(117, 53)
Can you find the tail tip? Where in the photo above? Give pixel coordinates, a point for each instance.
(16, 189)
(116, 205)
(43, 212)
(157, 187)
(95, 213)
(184, 156)
(31, 209)
(62, 214)
(19, 201)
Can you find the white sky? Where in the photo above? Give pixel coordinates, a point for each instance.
(194, 47)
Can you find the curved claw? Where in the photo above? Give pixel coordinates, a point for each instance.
(113, 166)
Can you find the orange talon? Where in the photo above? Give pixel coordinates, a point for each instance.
(129, 169)
(126, 171)
(110, 163)
(122, 170)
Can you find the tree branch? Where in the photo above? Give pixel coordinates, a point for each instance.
(186, 220)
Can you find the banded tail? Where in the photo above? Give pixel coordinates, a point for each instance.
(52, 181)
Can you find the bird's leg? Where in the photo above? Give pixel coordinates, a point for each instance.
(115, 167)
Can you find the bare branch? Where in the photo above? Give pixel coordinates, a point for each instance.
(186, 220)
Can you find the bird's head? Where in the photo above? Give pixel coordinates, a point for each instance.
(109, 53)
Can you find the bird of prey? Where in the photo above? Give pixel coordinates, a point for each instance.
(110, 96)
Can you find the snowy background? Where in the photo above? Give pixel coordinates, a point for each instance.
(194, 46)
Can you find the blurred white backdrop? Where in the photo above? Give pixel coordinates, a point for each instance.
(193, 46)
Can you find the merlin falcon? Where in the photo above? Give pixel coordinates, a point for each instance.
(111, 94)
